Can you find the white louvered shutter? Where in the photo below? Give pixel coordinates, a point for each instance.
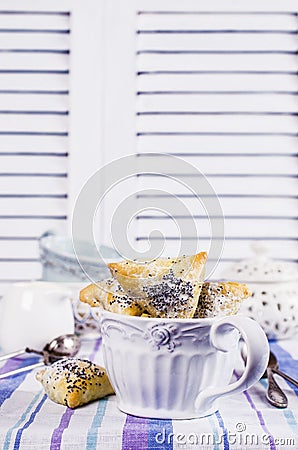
(82, 83)
(214, 83)
(46, 130)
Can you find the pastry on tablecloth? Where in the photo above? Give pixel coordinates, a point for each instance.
(74, 382)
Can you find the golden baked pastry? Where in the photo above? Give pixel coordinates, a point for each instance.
(221, 299)
(164, 287)
(109, 295)
(74, 382)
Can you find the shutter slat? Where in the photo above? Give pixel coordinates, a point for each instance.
(29, 185)
(25, 41)
(217, 82)
(19, 270)
(33, 164)
(235, 185)
(35, 20)
(196, 19)
(37, 124)
(26, 226)
(260, 62)
(24, 101)
(217, 43)
(33, 61)
(227, 8)
(38, 82)
(272, 207)
(281, 100)
(19, 249)
(233, 228)
(191, 144)
(31, 206)
(204, 124)
(36, 143)
(245, 165)
(286, 249)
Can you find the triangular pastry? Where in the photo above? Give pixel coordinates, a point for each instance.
(73, 382)
(109, 295)
(165, 287)
(221, 299)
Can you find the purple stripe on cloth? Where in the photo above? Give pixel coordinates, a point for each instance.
(135, 433)
(28, 423)
(11, 364)
(10, 384)
(58, 432)
(96, 348)
(225, 432)
(261, 420)
(259, 416)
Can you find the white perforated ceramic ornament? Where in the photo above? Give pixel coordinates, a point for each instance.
(274, 286)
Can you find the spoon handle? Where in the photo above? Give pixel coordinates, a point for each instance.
(19, 353)
(12, 355)
(286, 377)
(21, 370)
(274, 394)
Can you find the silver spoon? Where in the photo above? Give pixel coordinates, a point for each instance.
(274, 394)
(63, 346)
(274, 367)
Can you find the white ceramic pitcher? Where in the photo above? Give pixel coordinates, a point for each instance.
(33, 313)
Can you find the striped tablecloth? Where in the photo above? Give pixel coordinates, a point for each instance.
(29, 420)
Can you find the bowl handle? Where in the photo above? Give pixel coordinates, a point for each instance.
(257, 358)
